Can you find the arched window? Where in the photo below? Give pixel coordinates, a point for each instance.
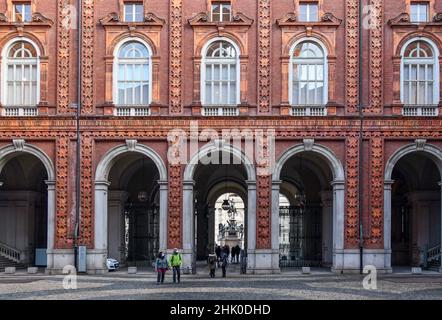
(220, 74)
(420, 74)
(133, 78)
(21, 75)
(308, 75)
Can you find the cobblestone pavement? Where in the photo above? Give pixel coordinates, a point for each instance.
(318, 285)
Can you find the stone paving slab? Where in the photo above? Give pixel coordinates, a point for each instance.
(294, 286)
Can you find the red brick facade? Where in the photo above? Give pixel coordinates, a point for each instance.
(264, 30)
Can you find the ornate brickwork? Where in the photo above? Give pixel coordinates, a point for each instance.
(376, 190)
(175, 206)
(64, 47)
(176, 57)
(263, 212)
(376, 56)
(87, 59)
(352, 168)
(264, 56)
(352, 40)
(86, 225)
(62, 232)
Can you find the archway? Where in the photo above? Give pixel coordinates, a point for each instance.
(308, 201)
(26, 206)
(130, 205)
(413, 207)
(205, 181)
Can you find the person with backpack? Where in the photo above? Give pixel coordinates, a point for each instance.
(175, 263)
(161, 267)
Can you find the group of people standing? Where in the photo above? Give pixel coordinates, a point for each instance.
(220, 259)
(162, 265)
(234, 252)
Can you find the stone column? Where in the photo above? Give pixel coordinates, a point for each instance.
(338, 224)
(98, 262)
(275, 225)
(51, 215)
(327, 227)
(164, 187)
(251, 224)
(116, 225)
(188, 224)
(387, 223)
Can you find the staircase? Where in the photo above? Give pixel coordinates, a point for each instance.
(9, 257)
(5, 263)
(433, 258)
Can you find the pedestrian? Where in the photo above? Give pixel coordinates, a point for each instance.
(211, 261)
(161, 267)
(224, 262)
(175, 263)
(218, 254)
(237, 253)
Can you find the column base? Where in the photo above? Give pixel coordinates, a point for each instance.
(263, 262)
(440, 270)
(96, 261)
(348, 261)
(59, 259)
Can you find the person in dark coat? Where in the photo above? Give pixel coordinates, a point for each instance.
(237, 252)
(224, 263)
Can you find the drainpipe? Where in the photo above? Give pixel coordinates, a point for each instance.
(77, 118)
(361, 140)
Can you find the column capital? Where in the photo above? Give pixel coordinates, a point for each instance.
(164, 184)
(102, 183)
(338, 184)
(388, 184)
(1, 184)
(49, 183)
(440, 184)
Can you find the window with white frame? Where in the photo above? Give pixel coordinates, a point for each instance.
(221, 11)
(21, 75)
(308, 85)
(133, 12)
(308, 12)
(220, 75)
(419, 12)
(133, 75)
(420, 74)
(22, 12)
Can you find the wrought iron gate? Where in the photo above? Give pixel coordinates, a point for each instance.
(300, 237)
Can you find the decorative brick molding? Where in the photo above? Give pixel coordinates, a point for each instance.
(176, 57)
(376, 58)
(64, 48)
(63, 232)
(352, 55)
(86, 187)
(175, 238)
(376, 191)
(352, 196)
(263, 212)
(87, 59)
(264, 56)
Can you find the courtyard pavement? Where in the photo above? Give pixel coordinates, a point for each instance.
(319, 285)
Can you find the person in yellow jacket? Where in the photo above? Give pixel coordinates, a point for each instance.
(175, 263)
